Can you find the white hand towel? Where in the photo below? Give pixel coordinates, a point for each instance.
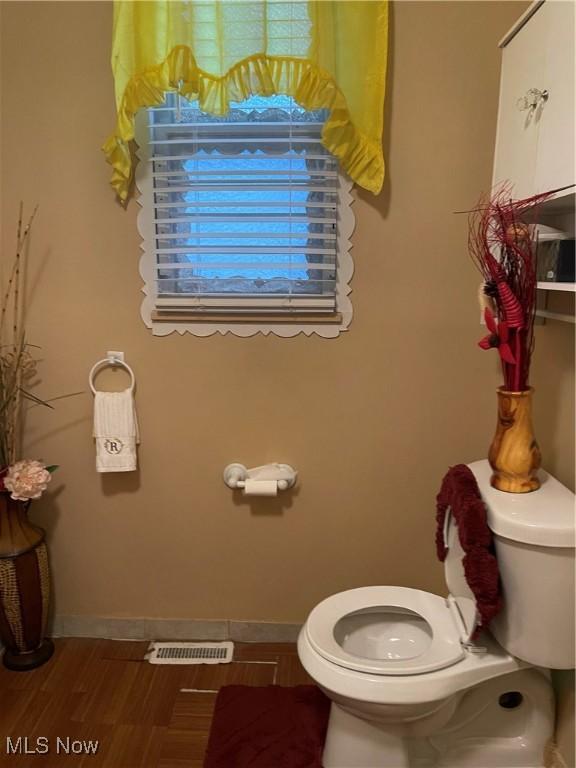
(115, 431)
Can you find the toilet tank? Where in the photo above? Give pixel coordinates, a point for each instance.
(534, 535)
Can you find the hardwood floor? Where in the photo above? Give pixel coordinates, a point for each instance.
(104, 690)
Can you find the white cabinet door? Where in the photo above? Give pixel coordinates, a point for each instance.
(523, 61)
(535, 146)
(555, 157)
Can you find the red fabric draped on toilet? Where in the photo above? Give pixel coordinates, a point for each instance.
(460, 494)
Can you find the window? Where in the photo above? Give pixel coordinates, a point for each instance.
(245, 220)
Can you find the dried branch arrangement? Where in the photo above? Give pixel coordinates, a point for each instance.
(17, 365)
(24, 479)
(502, 243)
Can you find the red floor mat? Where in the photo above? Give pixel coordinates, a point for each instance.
(269, 727)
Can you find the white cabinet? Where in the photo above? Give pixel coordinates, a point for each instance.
(535, 135)
(555, 156)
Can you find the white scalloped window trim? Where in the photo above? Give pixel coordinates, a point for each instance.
(345, 271)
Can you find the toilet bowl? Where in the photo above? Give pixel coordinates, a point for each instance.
(415, 682)
(360, 637)
(388, 630)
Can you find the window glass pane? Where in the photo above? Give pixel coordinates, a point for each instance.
(246, 203)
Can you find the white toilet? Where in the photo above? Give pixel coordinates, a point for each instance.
(408, 684)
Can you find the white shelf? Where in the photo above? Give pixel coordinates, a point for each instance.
(545, 286)
(555, 316)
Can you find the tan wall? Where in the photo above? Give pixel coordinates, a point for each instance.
(565, 730)
(371, 420)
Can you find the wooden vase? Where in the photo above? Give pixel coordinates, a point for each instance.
(514, 454)
(24, 588)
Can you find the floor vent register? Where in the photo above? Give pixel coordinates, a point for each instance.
(190, 653)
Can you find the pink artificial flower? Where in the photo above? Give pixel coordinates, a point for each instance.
(26, 479)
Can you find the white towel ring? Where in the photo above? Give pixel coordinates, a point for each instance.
(110, 362)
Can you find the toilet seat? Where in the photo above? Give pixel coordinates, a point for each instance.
(444, 646)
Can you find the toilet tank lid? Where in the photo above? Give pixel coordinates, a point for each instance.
(544, 517)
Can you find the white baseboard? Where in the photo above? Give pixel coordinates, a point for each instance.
(174, 629)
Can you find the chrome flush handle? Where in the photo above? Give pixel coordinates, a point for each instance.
(532, 99)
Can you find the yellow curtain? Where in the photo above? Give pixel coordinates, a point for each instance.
(327, 54)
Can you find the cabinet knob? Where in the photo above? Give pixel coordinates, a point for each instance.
(532, 99)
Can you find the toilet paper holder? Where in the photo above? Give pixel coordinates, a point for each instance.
(235, 475)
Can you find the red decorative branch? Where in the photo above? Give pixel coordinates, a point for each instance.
(502, 243)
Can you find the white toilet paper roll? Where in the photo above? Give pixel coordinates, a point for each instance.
(260, 487)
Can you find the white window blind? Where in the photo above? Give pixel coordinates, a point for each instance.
(244, 209)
